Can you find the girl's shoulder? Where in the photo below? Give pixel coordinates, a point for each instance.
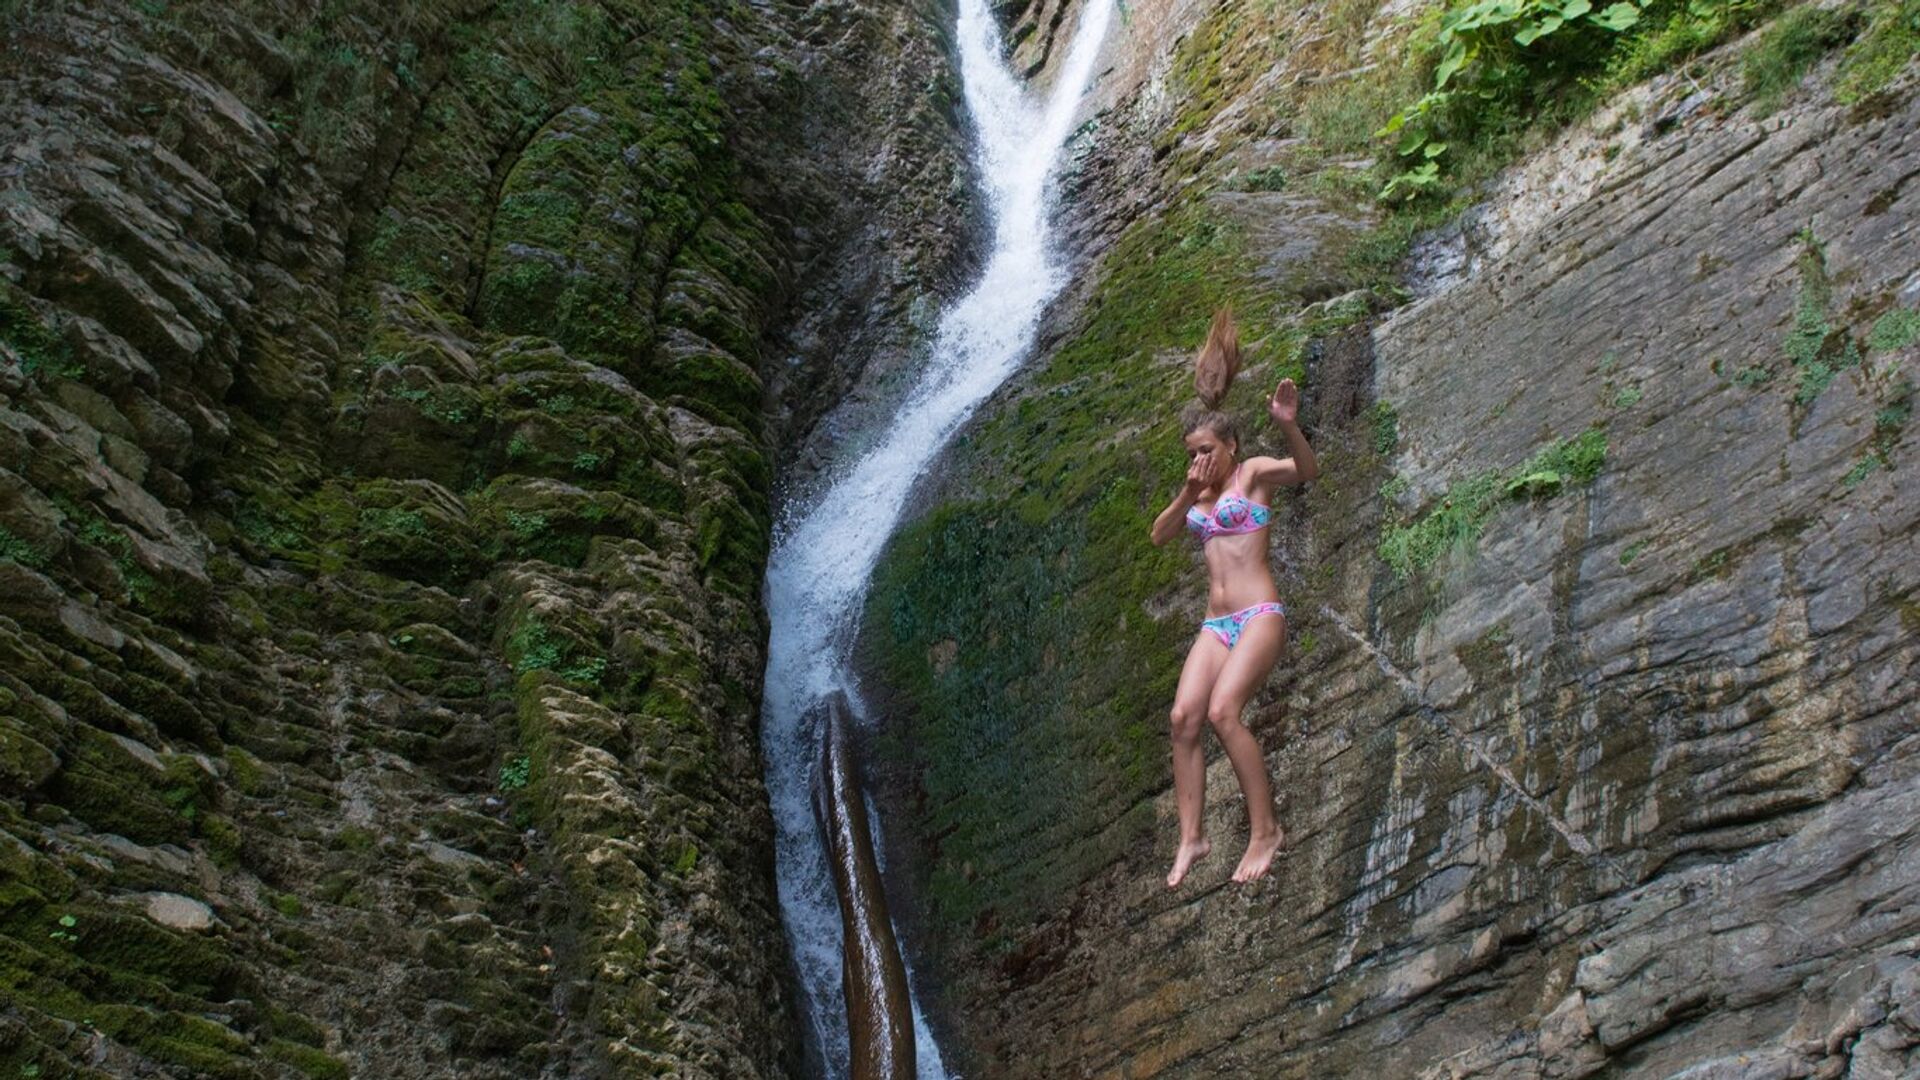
(1263, 467)
(1267, 473)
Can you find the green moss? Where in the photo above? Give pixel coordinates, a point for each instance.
(1713, 564)
(111, 790)
(1162, 283)
(971, 607)
(268, 529)
(309, 1060)
(515, 773)
(689, 857)
(1861, 469)
(222, 837)
(1386, 429)
(133, 945)
(29, 342)
(204, 1047)
(14, 549)
(355, 838)
(1788, 48)
(586, 670)
(245, 772)
(717, 386)
(1817, 351)
(1889, 422)
(1884, 49)
(1896, 329)
(462, 686)
(1269, 178)
(1196, 71)
(1454, 522)
(292, 1026)
(1674, 33)
(186, 787)
(443, 405)
(535, 646)
(93, 530)
(1578, 459)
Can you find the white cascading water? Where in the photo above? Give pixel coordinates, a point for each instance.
(822, 560)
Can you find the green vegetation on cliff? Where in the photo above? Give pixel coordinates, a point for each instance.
(1500, 73)
(1456, 517)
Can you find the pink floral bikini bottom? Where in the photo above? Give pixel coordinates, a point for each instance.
(1227, 627)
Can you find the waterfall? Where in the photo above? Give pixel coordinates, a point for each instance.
(822, 559)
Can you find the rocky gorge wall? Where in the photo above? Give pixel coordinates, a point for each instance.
(1595, 742)
(385, 473)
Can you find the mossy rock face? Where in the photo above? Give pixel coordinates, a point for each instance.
(381, 410)
(25, 762)
(106, 785)
(412, 529)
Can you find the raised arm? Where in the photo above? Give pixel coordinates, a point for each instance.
(1301, 466)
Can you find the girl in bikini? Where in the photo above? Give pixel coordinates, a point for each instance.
(1223, 503)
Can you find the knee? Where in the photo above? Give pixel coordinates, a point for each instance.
(1222, 717)
(1186, 721)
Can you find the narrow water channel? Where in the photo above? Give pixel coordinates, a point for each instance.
(823, 558)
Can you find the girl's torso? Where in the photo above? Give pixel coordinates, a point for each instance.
(1232, 530)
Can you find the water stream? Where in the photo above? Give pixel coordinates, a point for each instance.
(824, 556)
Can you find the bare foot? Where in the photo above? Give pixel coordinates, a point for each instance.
(1259, 857)
(1190, 852)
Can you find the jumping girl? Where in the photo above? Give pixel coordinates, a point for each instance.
(1224, 504)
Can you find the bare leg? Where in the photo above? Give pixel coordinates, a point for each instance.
(1248, 666)
(1189, 718)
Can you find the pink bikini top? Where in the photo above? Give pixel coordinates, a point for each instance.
(1233, 513)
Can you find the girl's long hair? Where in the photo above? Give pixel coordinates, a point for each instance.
(1214, 367)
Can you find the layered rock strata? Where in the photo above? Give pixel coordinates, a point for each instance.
(384, 490)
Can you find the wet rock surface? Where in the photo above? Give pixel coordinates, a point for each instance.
(385, 481)
(1622, 787)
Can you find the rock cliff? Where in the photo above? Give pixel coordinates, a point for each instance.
(385, 469)
(1596, 738)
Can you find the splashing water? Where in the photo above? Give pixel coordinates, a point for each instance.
(821, 563)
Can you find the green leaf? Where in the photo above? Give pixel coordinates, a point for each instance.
(1458, 55)
(1573, 9)
(69, 921)
(1414, 140)
(1485, 13)
(1434, 150)
(1617, 17)
(1412, 180)
(1543, 482)
(1394, 123)
(1535, 31)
